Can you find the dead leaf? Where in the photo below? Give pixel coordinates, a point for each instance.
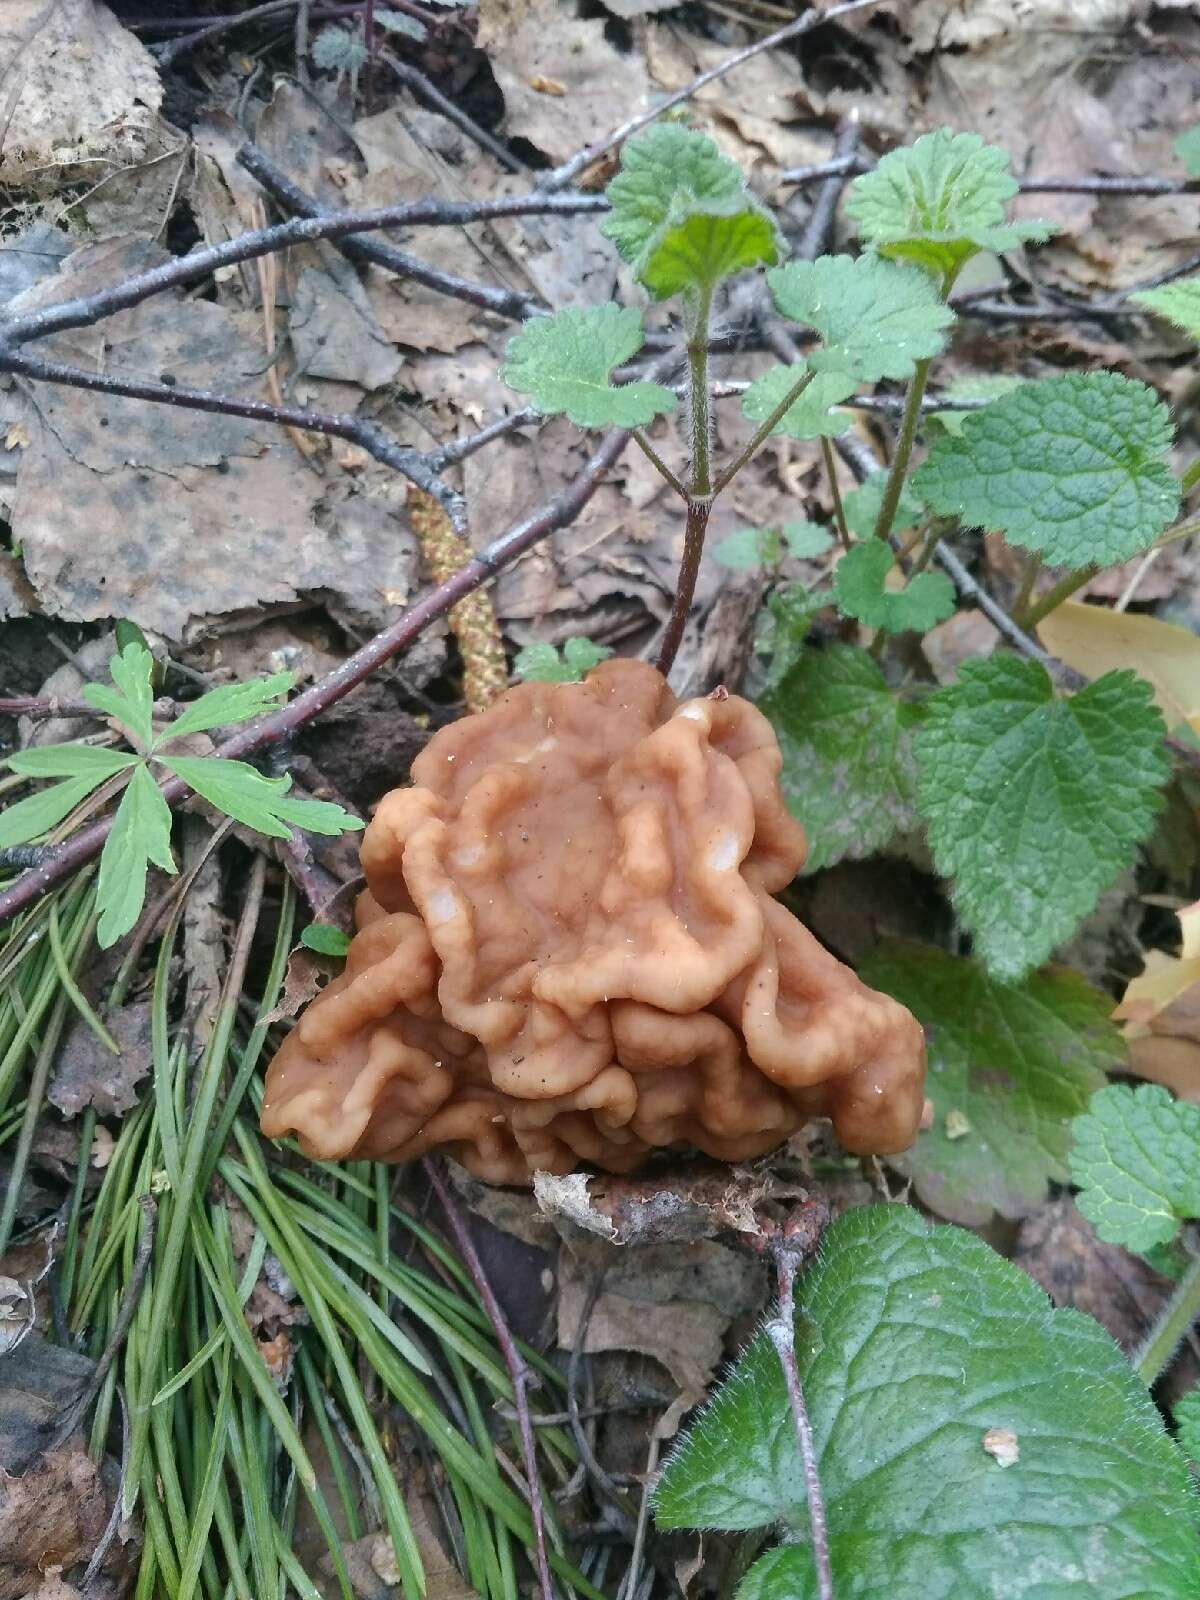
(306, 975)
(706, 1199)
(88, 1074)
(334, 333)
(1095, 640)
(1161, 1013)
(52, 1587)
(50, 1515)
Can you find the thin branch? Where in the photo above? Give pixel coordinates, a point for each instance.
(842, 164)
(86, 310)
(165, 54)
(656, 461)
(819, 225)
(434, 100)
(763, 432)
(457, 450)
(839, 511)
(509, 303)
(970, 590)
(570, 170)
(518, 1369)
(369, 435)
(502, 552)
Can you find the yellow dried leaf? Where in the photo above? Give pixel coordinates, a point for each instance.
(1095, 640)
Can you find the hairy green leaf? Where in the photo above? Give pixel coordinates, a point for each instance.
(564, 363)
(38, 813)
(981, 386)
(243, 793)
(543, 664)
(71, 761)
(859, 581)
(1187, 1420)
(1177, 302)
(1136, 1159)
(862, 507)
(1009, 1066)
(847, 762)
(876, 318)
(1073, 467)
(132, 700)
(939, 201)
(339, 50)
(809, 415)
(682, 216)
(783, 626)
(325, 939)
(232, 702)
(915, 1346)
(141, 834)
(766, 547)
(1036, 803)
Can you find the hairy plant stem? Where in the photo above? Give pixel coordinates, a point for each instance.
(658, 463)
(699, 490)
(782, 1332)
(1157, 1350)
(1054, 597)
(1024, 595)
(904, 445)
(839, 514)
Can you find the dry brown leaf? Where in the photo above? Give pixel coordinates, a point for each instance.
(334, 333)
(50, 1515)
(88, 1074)
(1095, 640)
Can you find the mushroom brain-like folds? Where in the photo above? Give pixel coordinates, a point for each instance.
(568, 952)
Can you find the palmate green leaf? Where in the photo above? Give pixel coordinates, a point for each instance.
(862, 506)
(1036, 803)
(809, 416)
(1136, 1159)
(38, 813)
(914, 1343)
(141, 834)
(132, 700)
(876, 318)
(1009, 1066)
(859, 581)
(682, 216)
(1073, 467)
(1177, 302)
(243, 793)
(542, 663)
(232, 702)
(71, 761)
(563, 363)
(939, 201)
(848, 770)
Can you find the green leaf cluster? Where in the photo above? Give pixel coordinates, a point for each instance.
(940, 201)
(1136, 1159)
(860, 584)
(917, 1347)
(766, 547)
(542, 663)
(141, 830)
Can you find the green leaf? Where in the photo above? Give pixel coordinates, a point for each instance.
(1187, 148)
(682, 216)
(876, 319)
(1136, 1159)
(915, 1343)
(847, 764)
(325, 939)
(766, 547)
(859, 581)
(982, 386)
(1036, 803)
(38, 813)
(398, 22)
(939, 201)
(1177, 302)
(1187, 1420)
(541, 663)
(1073, 467)
(340, 50)
(783, 626)
(804, 539)
(862, 507)
(1009, 1066)
(141, 834)
(808, 417)
(71, 761)
(564, 362)
(133, 698)
(232, 702)
(241, 792)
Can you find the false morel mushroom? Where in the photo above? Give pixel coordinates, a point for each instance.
(569, 952)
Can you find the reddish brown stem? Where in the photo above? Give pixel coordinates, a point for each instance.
(518, 1369)
(698, 511)
(782, 1333)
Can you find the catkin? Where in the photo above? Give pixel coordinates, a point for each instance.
(473, 620)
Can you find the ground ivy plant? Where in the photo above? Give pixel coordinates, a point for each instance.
(927, 1360)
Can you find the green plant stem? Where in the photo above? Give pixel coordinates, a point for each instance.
(700, 490)
(904, 445)
(1157, 1350)
(763, 432)
(656, 461)
(35, 1094)
(1020, 605)
(839, 514)
(1054, 597)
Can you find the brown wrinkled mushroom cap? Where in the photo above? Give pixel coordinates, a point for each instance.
(569, 952)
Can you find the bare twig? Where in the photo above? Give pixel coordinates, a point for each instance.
(432, 97)
(518, 1369)
(819, 225)
(502, 552)
(459, 449)
(503, 302)
(116, 1515)
(570, 170)
(843, 164)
